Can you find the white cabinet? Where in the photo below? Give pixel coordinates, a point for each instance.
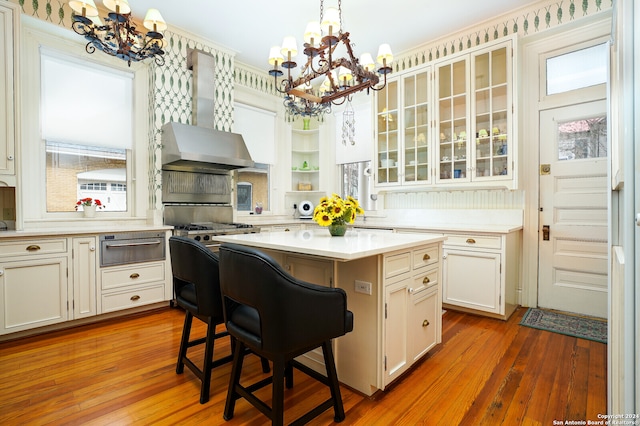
(34, 284)
(403, 133)
(9, 21)
(481, 273)
(474, 116)
(84, 276)
(450, 122)
(412, 308)
(131, 286)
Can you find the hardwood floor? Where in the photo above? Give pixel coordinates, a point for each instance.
(486, 372)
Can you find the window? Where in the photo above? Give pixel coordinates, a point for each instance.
(257, 127)
(86, 154)
(581, 139)
(356, 182)
(577, 70)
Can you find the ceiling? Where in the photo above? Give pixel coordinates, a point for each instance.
(251, 27)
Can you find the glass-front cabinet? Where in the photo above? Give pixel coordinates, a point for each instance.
(415, 158)
(491, 113)
(474, 116)
(403, 135)
(452, 125)
(387, 134)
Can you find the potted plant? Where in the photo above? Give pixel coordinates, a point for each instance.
(89, 206)
(336, 213)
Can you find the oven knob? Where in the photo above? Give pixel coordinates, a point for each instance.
(197, 238)
(206, 238)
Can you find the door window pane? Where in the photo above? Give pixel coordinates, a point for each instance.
(579, 139)
(577, 70)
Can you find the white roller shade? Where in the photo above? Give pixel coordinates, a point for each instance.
(85, 104)
(258, 128)
(363, 149)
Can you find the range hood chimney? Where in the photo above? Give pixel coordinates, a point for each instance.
(200, 147)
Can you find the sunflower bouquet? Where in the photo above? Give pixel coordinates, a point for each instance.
(336, 211)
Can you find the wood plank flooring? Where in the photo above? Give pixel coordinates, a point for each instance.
(122, 372)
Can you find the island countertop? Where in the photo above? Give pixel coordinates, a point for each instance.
(318, 242)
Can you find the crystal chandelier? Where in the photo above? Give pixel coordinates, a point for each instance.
(118, 35)
(343, 76)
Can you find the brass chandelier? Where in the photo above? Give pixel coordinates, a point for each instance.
(343, 76)
(118, 35)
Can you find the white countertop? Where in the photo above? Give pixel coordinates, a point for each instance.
(318, 242)
(93, 230)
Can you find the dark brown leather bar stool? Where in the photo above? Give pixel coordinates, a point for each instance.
(279, 318)
(196, 284)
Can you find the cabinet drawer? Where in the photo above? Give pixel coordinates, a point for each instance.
(132, 298)
(423, 281)
(33, 247)
(425, 256)
(397, 264)
(480, 241)
(132, 275)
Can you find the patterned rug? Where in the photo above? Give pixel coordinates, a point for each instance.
(576, 326)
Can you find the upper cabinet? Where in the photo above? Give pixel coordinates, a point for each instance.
(452, 125)
(403, 131)
(9, 16)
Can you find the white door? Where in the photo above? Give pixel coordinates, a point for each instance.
(573, 209)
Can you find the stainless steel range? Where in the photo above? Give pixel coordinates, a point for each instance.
(206, 232)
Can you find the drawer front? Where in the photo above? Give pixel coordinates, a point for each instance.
(424, 281)
(425, 256)
(33, 247)
(132, 298)
(132, 275)
(480, 241)
(397, 264)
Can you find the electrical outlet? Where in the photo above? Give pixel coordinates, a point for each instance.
(363, 287)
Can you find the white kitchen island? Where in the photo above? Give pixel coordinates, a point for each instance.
(393, 286)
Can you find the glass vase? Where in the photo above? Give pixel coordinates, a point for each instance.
(337, 229)
(305, 123)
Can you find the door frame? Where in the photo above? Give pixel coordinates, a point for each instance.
(536, 49)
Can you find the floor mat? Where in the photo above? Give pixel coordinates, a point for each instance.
(571, 325)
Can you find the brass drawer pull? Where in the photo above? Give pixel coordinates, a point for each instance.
(135, 298)
(425, 323)
(425, 280)
(33, 247)
(134, 276)
(426, 257)
(471, 241)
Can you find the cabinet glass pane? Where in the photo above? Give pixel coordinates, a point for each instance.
(409, 91)
(499, 66)
(422, 83)
(444, 79)
(387, 121)
(459, 78)
(482, 71)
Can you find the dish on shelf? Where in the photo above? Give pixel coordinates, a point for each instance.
(316, 168)
(294, 168)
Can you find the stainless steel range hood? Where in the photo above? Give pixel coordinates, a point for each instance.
(195, 148)
(200, 147)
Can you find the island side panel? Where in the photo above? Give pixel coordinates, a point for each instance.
(358, 354)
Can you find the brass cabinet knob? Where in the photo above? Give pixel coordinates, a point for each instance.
(33, 247)
(135, 297)
(134, 276)
(426, 280)
(426, 257)
(471, 241)
(425, 323)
